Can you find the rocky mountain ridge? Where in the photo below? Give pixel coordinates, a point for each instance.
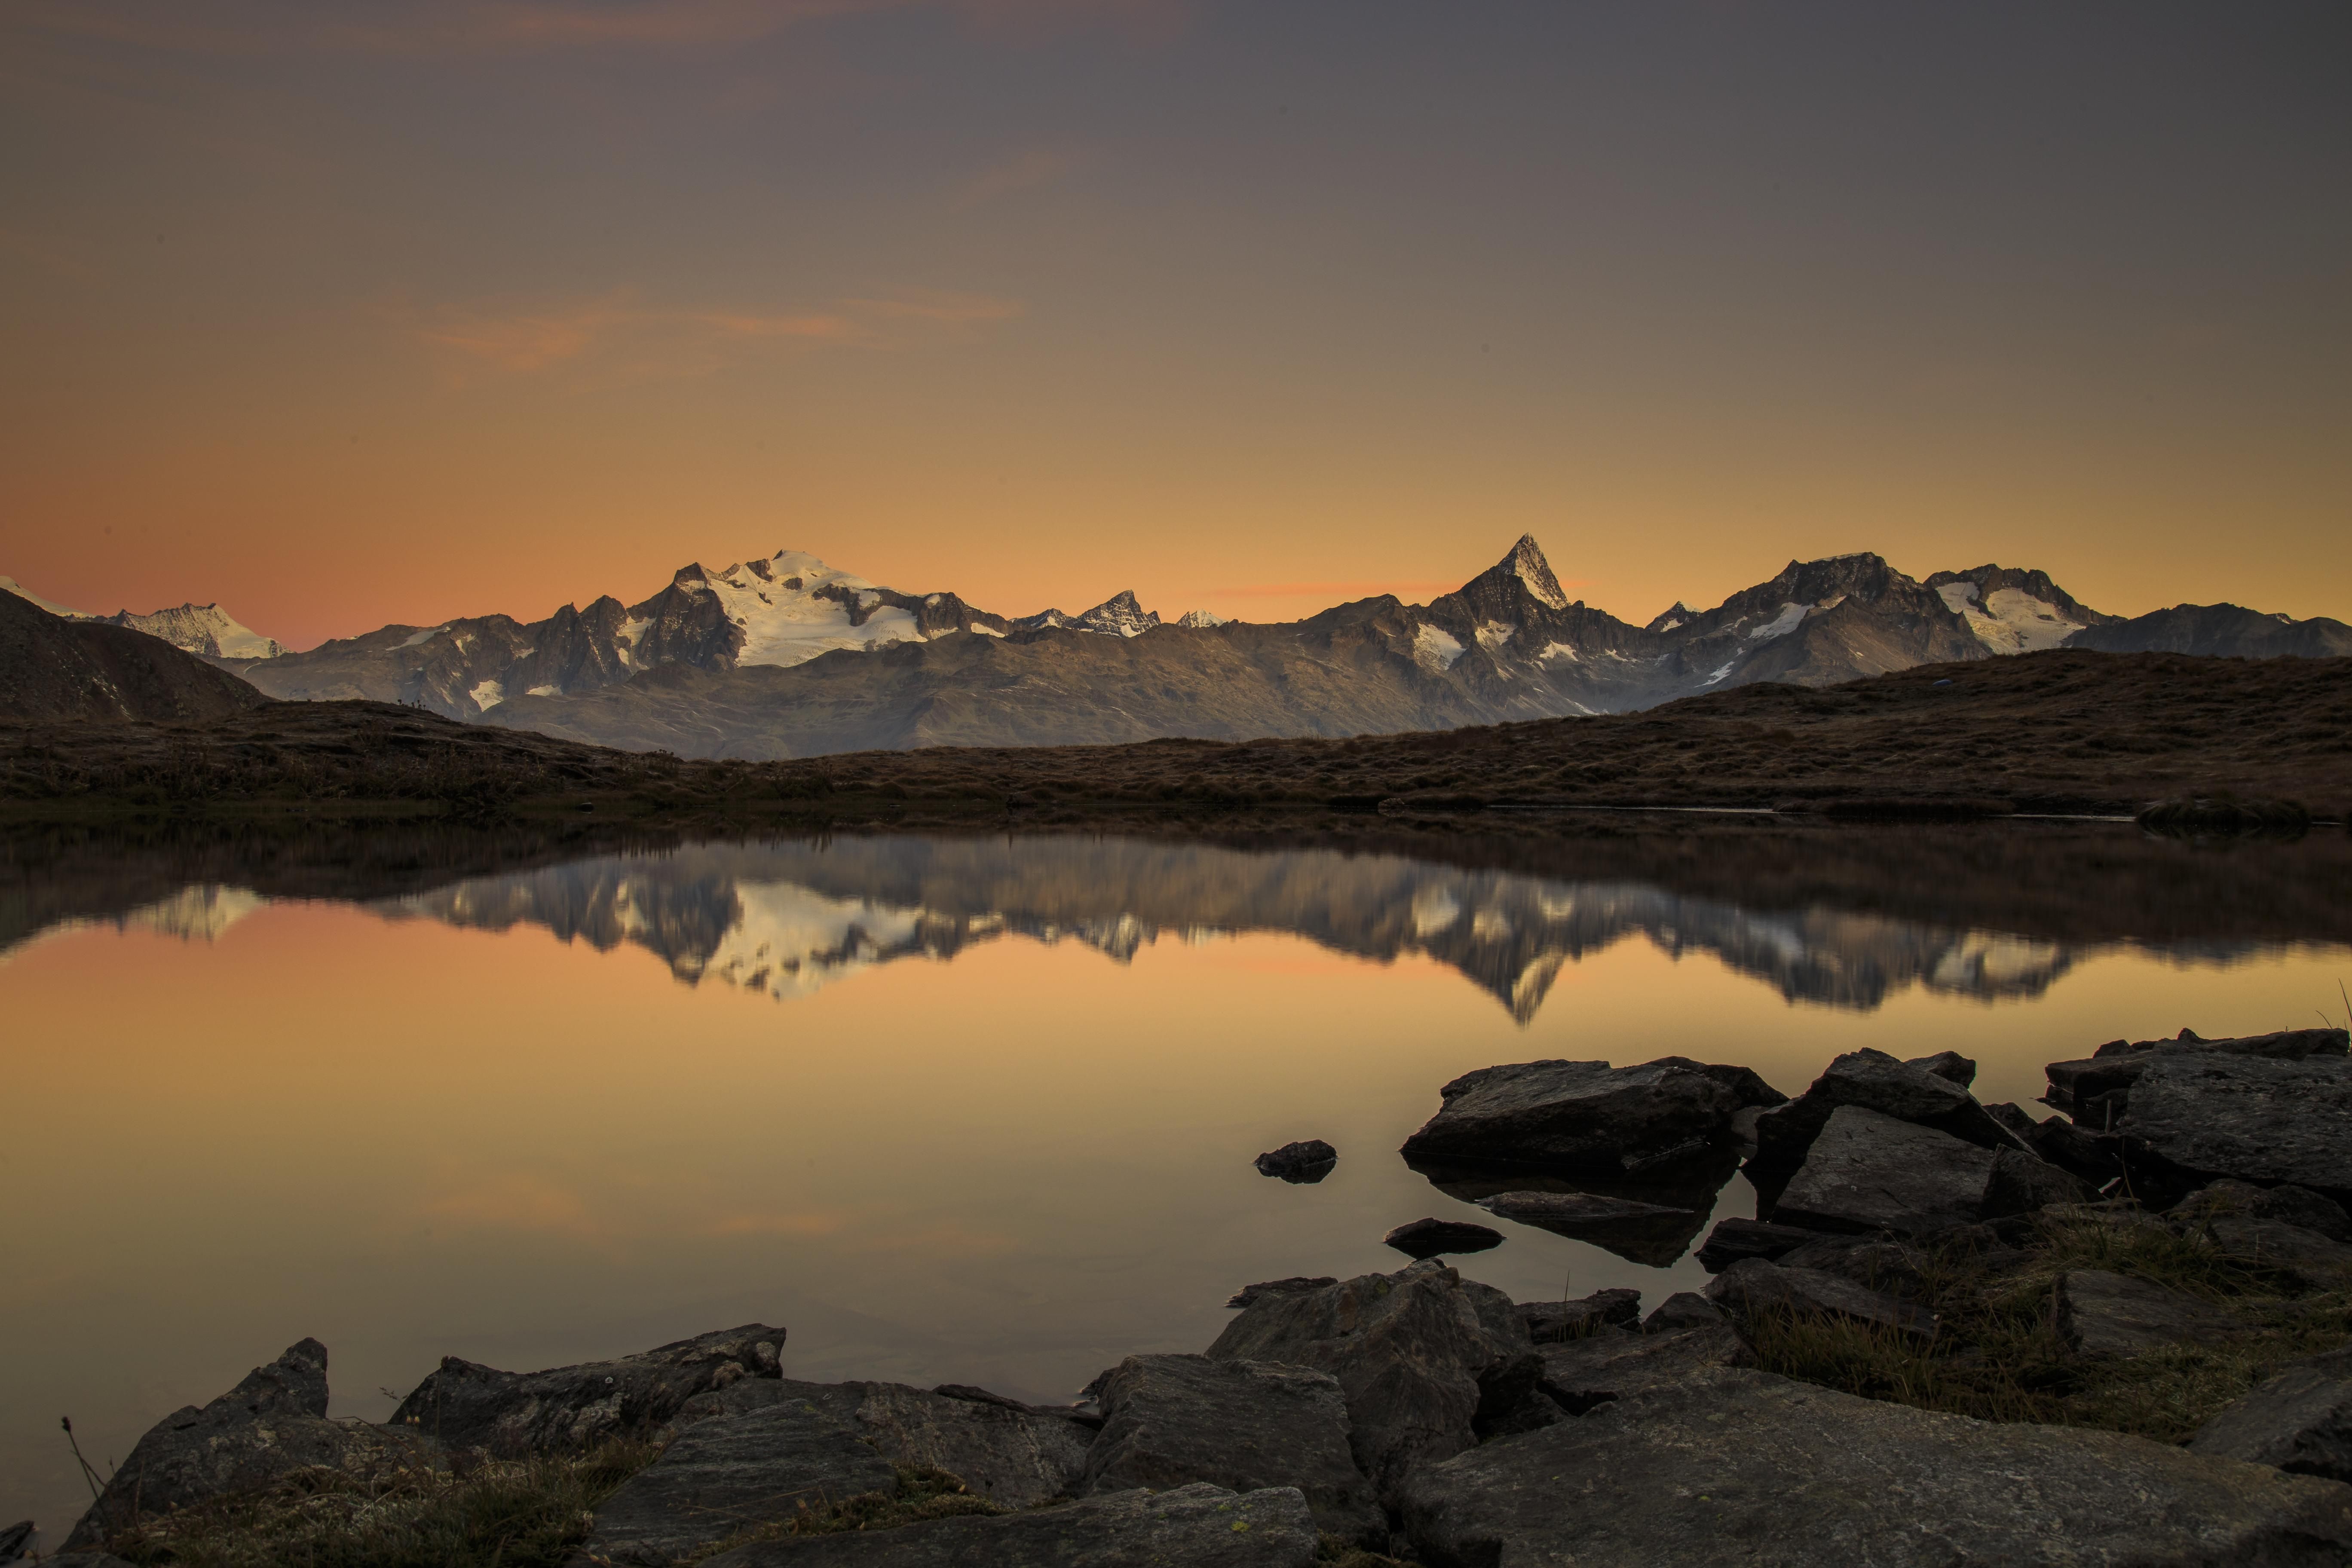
(192, 628)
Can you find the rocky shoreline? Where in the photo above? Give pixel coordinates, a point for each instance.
(1952, 1333)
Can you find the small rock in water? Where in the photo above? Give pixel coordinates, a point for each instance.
(1429, 1237)
(1308, 1161)
(1296, 1285)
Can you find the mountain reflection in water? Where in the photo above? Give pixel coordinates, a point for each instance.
(787, 919)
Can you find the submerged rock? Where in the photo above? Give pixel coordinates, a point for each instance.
(730, 1473)
(1171, 1420)
(1868, 1172)
(1309, 1161)
(462, 1404)
(1197, 1526)
(1654, 1234)
(2102, 1314)
(1587, 1116)
(270, 1424)
(1425, 1358)
(1726, 1468)
(2300, 1421)
(1429, 1237)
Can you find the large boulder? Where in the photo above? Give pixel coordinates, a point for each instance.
(2202, 1115)
(1749, 1289)
(1652, 1234)
(1198, 1526)
(1871, 1080)
(1734, 1239)
(1170, 1420)
(1426, 1359)
(1618, 1364)
(462, 1404)
(2103, 1313)
(270, 1424)
(730, 1473)
(2286, 1204)
(1005, 1451)
(1740, 1467)
(2096, 1089)
(1868, 1171)
(2300, 1420)
(1587, 1118)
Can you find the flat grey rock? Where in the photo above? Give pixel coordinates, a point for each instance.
(1754, 1286)
(1726, 1468)
(2099, 1085)
(1868, 1171)
(730, 1473)
(271, 1423)
(1171, 1420)
(1423, 1358)
(1870, 1080)
(1733, 1239)
(1191, 1527)
(1554, 1322)
(2287, 1205)
(1003, 1450)
(464, 1405)
(2103, 1313)
(2300, 1420)
(2258, 1119)
(1616, 1364)
(1654, 1234)
(1587, 1116)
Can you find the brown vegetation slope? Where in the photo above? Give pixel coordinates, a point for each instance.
(2063, 730)
(51, 667)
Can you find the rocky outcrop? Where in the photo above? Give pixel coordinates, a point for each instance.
(1949, 1065)
(1172, 1420)
(1869, 1171)
(731, 1473)
(1587, 1118)
(2300, 1421)
(2096, 1089)
(1425, 1358)
(2103, 1313)
(1754, 1286)
(269, 1425)
(1197, 1526)
(1007, 1452)
(1429, 1237)
(2199, 1115)
(1874, 1081)
(462, 1405)
(1308, 1161)
(1654, 1234)
(1739, 1467)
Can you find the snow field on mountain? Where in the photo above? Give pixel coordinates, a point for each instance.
(785, 627)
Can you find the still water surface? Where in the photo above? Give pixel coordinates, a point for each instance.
(952, 1109)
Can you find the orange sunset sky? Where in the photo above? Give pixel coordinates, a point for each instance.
(347, 314)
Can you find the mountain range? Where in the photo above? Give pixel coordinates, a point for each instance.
(788, 657)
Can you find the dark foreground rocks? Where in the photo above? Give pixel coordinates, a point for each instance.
(1171, 1420)
(1308, 1161)
(462, 1404)
(269, 1425)
(1587, 1118)
(1192, 1526)
(1429, 1237)
(1731, 1467)
(2300, 1420)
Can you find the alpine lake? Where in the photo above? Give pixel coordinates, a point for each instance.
(979, 1109)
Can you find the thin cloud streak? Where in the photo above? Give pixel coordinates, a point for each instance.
(1038, 166)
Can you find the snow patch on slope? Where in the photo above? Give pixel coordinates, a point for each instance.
(488, 694)
(787, 626)
(2009, 620)
(1789, 618)
(11, 585)
(1432, 647)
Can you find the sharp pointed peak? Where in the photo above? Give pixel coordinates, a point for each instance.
(1525, 561)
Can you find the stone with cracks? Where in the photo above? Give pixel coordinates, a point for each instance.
(2256, 1119)
(1171, 1420)
(1195, 1526)
(1869, 1171)
(462, 1404)
(1587, 1118)
(1553, 1322)
(1429, 1237)
(1733, 1239)
(270, 1424)
(1746, 1289)
(2102, 1314)
(1874, 1081)
(731, 1473)
(1006, 1452)
(1727, 1468)
(1616, 1364)
(1427, 1360)
(2097, 1088)
(1308, 1161)
(1654, 1234)
(2300, 1420)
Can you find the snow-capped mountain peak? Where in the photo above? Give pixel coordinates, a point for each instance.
(198, 629)
(10, 585)
(1527, 564)
(792, 606)
(1202, 620)
(1119, 616)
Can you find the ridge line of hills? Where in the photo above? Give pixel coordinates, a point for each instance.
(787, 657)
